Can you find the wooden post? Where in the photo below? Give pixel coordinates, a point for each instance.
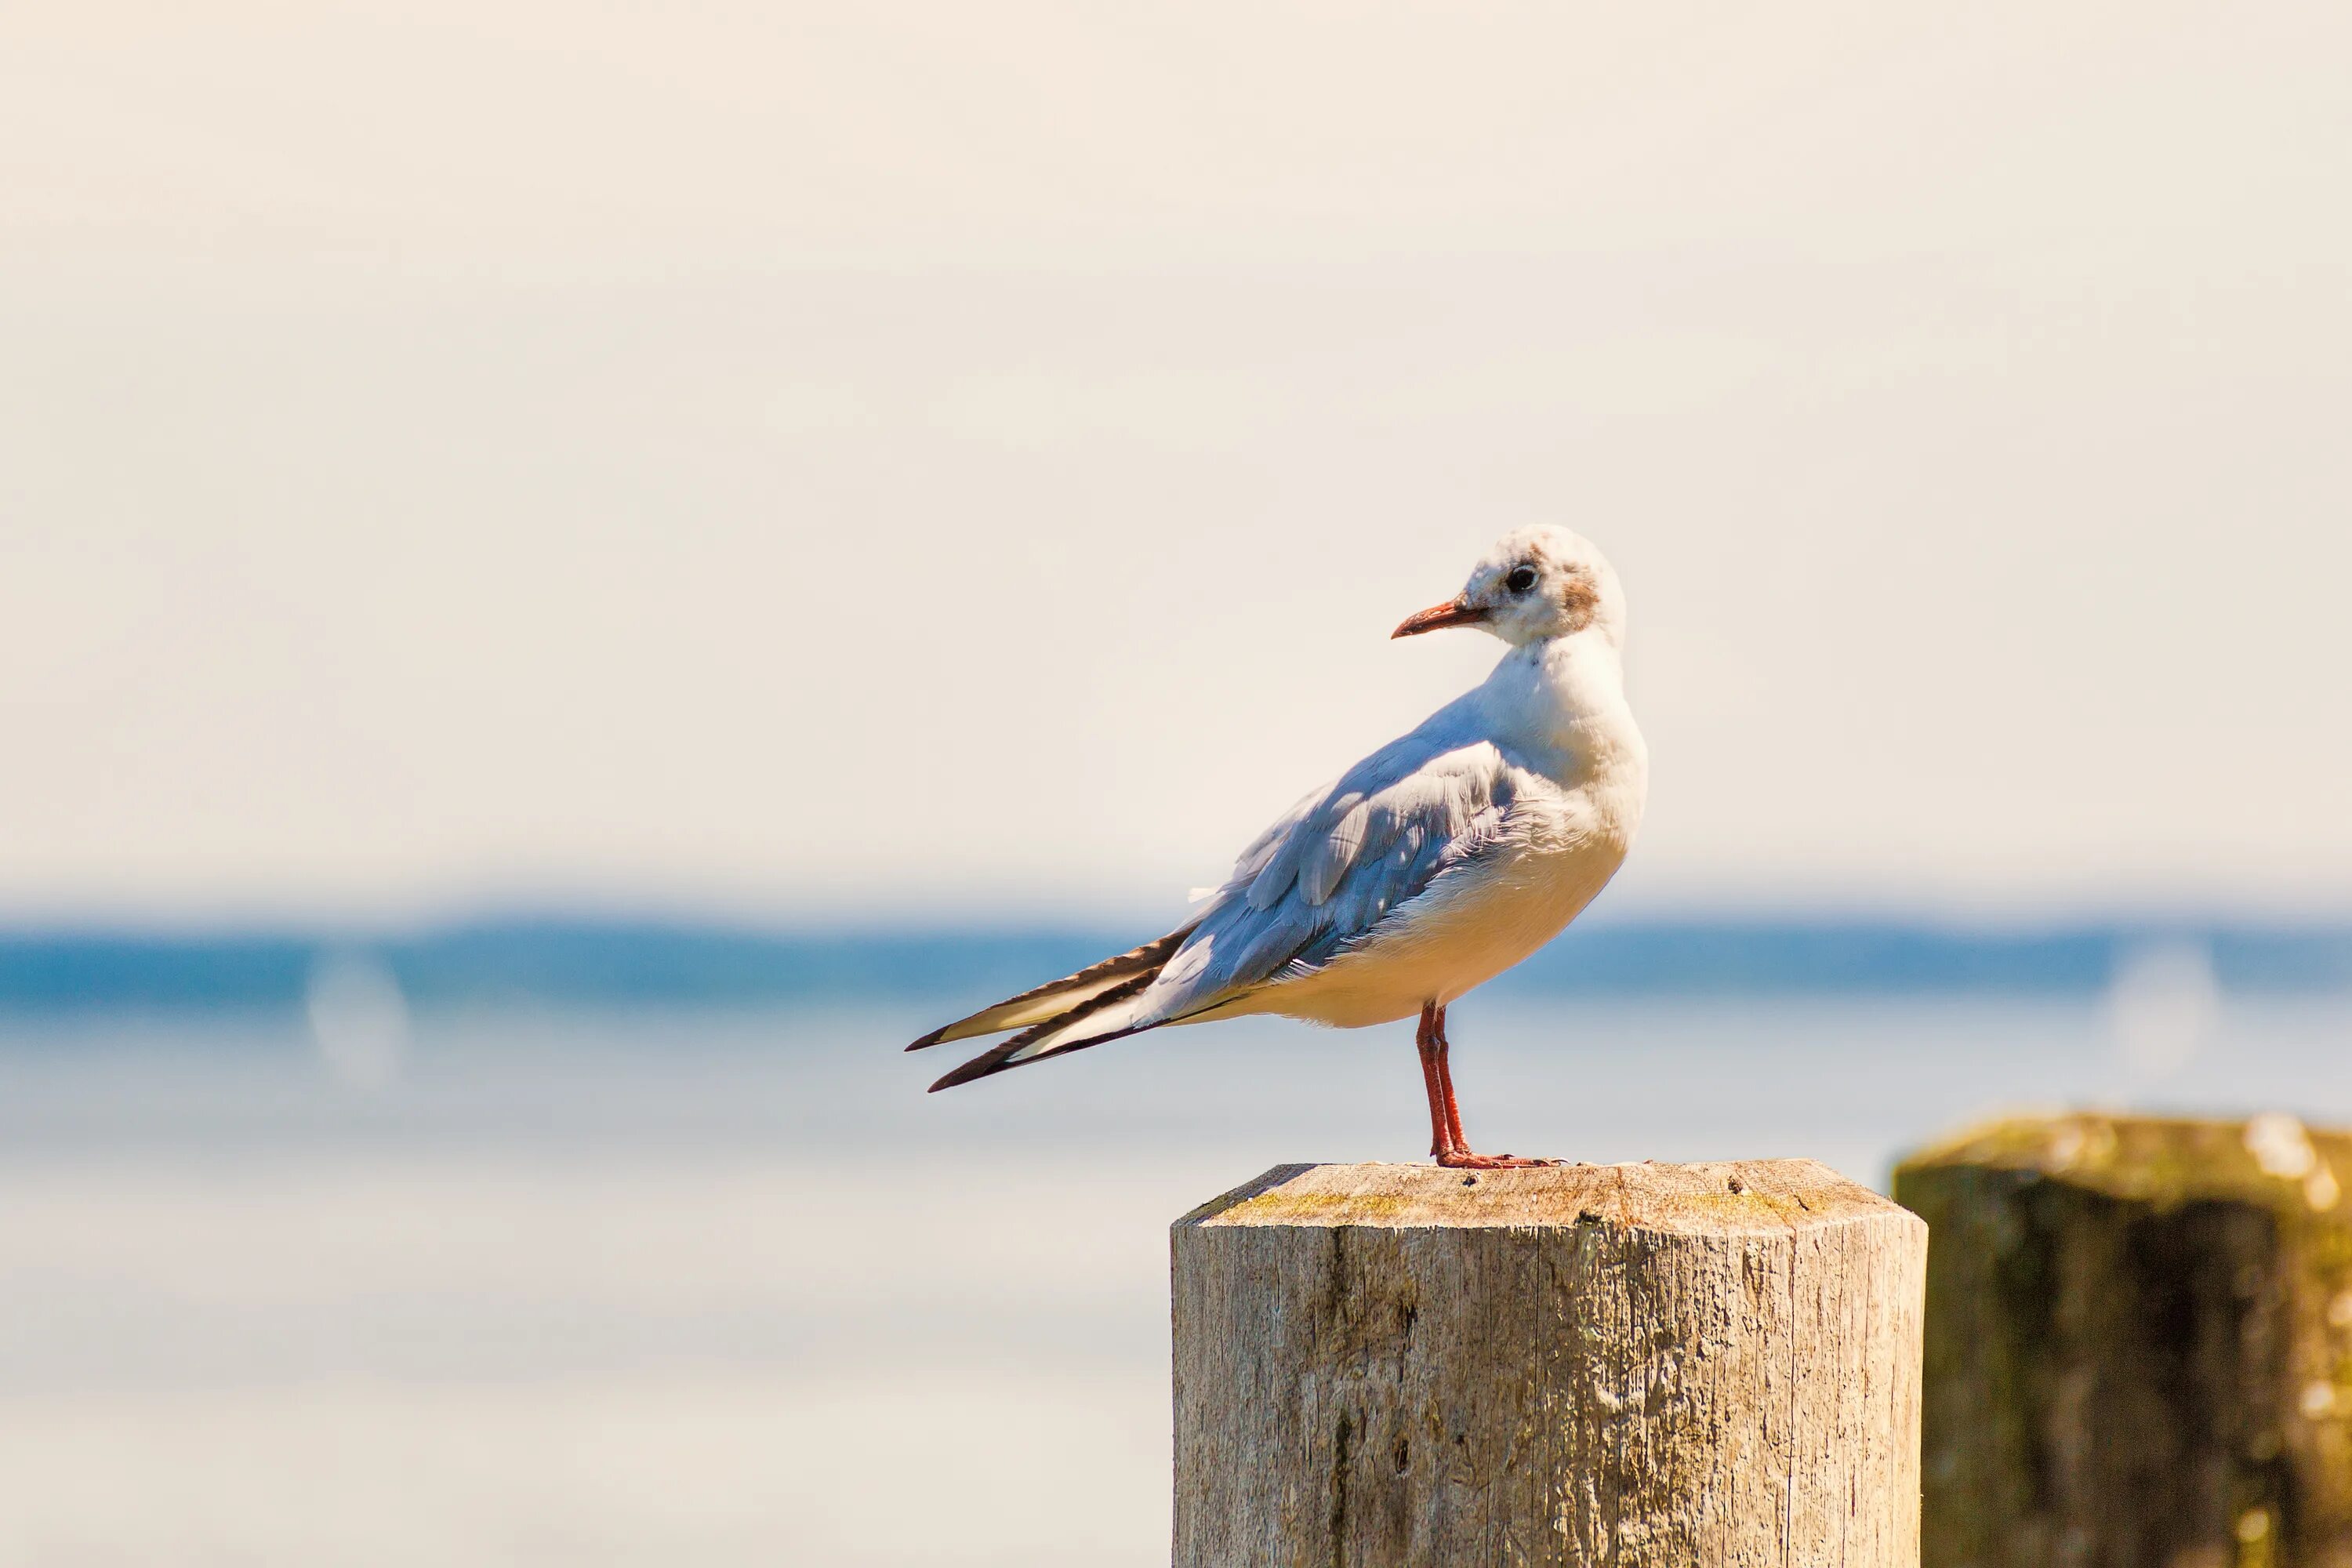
(1657, 1365)
(2139, 1344)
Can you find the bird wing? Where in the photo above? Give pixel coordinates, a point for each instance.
(1326, 878)
(1318, 882)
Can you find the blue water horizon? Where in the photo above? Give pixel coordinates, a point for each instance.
(595, 960)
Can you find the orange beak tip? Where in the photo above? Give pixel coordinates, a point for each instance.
(1453, 612)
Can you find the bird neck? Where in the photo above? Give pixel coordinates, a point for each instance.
(1563, 700)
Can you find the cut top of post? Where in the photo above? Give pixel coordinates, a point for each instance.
(1724, 1197)
(2272, 1162)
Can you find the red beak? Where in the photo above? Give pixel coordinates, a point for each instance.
(1453, 612)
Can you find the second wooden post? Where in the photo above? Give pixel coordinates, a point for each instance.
(1618, 1364)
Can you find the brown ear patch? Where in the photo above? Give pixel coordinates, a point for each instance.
(1579, 597)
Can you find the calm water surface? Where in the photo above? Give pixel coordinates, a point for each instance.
(702, 1287)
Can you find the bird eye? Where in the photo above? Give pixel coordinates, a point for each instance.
(1521, 579)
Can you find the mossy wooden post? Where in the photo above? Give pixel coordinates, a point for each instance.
(2139, 1344)
(1667, 1366)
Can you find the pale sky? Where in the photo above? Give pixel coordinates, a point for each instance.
(795, 459)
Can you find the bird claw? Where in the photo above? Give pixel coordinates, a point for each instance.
(1464, 1160)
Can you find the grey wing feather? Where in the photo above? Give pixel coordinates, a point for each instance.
(1331, 872)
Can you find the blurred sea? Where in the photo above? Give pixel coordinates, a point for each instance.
(382, 1271)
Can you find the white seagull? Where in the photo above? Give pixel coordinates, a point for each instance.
(1431, 865)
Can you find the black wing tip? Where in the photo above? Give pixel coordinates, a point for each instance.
(1148, 957)
(1000, 1058)
(977, 1067)
(997, 1058)
(1004, 1054)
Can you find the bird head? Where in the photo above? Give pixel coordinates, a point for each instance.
(1535, 585)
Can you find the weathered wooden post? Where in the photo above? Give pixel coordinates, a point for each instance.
(2139, 1344)
(1669, 1366)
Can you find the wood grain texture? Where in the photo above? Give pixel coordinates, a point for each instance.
(1660, 1365)
(2139, 1348)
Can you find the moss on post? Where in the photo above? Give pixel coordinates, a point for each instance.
(2139, 1344)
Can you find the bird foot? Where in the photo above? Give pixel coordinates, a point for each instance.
(1464, 1160)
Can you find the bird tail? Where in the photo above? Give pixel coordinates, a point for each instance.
(1102, 997)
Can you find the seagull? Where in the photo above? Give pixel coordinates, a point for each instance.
(1429, 867)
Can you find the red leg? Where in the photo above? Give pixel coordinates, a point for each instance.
(1445, 1080)
(1453, 1149)
(1424, 1039)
